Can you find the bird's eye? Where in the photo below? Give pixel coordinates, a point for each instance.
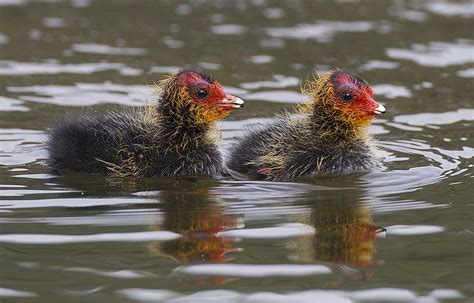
(202, 93)
(347, 97)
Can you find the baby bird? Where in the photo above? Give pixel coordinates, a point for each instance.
(327, 136)
(170, 137)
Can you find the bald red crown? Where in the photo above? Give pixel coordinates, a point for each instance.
(354, 92)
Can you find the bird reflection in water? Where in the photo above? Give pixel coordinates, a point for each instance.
(197, 216)
(344, 234)
(188, 208)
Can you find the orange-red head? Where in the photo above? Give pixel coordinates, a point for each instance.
(349, 95)
(200, 96)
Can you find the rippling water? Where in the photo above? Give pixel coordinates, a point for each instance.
(400, 233)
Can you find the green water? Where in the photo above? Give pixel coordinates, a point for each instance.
(79, 238)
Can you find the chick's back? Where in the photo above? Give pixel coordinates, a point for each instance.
(86, 142)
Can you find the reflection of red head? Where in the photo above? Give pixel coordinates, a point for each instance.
(199, 242)
(361, 243)
(349, 243)
(202, 245)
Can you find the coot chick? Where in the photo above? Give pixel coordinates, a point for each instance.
(173, 136)
(328, 135)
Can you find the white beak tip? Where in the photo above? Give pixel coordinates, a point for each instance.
(380, 109)
(237, 103)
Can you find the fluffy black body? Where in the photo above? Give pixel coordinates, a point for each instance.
(294, 147)
(173, 136)
(126, 144)
(328, 135)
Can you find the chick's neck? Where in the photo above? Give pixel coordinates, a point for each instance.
(179, 125)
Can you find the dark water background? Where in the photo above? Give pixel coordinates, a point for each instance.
(78, 238)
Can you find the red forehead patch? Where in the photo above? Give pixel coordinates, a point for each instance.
(190, 77)
(340, 78)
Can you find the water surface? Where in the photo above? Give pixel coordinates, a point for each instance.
(400, 233)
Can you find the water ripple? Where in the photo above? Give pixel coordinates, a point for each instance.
(10, 105)
(261, 59)
(228, 29)
(15, 68)
(466, 73)
(463, 9)
(436, 54)
(306, 296)
(378, 64)
(26, 192)
(392, 91)
(92, 48)
(21, 146)
(70, 202)
(48, 239)
(323, 31)
(120, 274)
(402, 181)
(287, 230)
(86, 94)
(53, 22)
(12, 2)
(3, 39)
(12, 293)
(280, 81)
(111, 218)
(429, 119)
(413, 230)
(281, 96)
(254, 270)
